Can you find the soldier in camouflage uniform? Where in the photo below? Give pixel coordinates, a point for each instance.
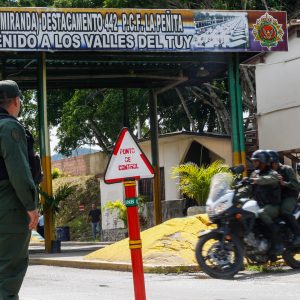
(265, 189)
(18, 195)
(289, 191)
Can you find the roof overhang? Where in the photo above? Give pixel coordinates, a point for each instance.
(114, 69)
(175, 136)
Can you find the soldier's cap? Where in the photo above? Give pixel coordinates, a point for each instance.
(9, 89)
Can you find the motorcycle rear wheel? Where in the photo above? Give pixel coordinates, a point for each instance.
(292, 258)
(217, 262)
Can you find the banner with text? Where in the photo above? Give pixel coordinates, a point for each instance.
(47, 29)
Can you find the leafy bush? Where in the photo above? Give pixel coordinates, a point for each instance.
(194, 181)
(60, 195)
(86, 192)
(80, 229)
(56, 173)
(121, 209)
(118, 206)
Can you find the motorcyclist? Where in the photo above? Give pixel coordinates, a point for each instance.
(289, 191)
(265, 189)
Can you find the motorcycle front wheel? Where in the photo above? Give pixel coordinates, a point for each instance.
(217, 258)
(292, 258)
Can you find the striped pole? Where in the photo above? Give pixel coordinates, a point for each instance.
(240, 119)
(236, 159)
(135, 243)
(45, 149)
(155, 158)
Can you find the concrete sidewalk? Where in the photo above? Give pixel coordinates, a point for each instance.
(72, 256)
(70, 247)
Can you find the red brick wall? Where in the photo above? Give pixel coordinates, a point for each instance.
(89, 164)
(74, 166)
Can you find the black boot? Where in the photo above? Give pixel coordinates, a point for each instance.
(291, 221)
(276, 247)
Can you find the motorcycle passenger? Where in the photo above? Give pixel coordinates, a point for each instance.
(289, 191)
(265, 189)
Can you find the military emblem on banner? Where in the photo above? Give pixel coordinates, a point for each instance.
(267, 31)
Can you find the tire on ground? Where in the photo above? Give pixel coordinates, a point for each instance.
(213, 272)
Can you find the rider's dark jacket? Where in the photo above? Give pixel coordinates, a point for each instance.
(291, 187)
(266, 189)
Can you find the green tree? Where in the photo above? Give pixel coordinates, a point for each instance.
(29, 109)
(29, 115)
(206, 4)
(96, 116)
(78, 3)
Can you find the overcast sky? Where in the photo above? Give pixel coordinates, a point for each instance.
(53, 140)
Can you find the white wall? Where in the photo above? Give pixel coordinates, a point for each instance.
(278, 98)
(169, 156)
(111, 192)
(172, 151)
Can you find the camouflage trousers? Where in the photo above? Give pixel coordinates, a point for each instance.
(268, 213)
(288, 205)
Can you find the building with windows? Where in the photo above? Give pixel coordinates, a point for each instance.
(174, 149)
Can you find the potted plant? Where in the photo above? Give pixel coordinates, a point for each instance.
(54, 202)
(194, 181)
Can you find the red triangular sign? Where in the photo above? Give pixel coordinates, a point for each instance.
(127, 161)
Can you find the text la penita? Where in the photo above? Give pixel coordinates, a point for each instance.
(152, 22)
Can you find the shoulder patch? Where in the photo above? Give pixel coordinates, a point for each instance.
(15, 135)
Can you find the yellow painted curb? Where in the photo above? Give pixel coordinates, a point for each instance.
(80, 264)
(110, 266)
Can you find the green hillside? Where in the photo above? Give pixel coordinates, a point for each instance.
(86, 192)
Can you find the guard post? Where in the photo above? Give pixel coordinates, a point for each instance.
(128, 164)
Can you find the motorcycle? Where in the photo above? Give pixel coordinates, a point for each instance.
(239, 233)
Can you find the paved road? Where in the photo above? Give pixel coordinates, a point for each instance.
(56, 283)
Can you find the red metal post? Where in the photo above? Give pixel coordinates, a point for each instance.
(135, 243)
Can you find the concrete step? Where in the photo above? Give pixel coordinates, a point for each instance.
(68, 247)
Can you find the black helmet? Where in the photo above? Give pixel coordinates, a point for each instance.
(261, 155)
(274, 157)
